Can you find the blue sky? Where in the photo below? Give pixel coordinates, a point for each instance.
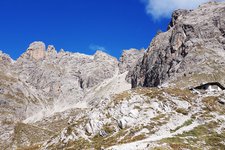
(79, 25)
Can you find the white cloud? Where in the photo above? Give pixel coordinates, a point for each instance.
(164, 8)
(95, 47)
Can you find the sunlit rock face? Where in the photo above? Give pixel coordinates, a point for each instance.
(129, 58)
(44, 82)
(35, 51)
(191, 51)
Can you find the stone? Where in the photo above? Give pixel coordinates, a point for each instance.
(35, 51)
(221, 101)
(129, 58)
(51, 52)
(102, 133)
(122, 123)
(94, 126)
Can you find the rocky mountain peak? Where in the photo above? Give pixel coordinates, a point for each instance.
(176, 16)
(35, 51)
(51, 52)
(100, 55)
(129, 58)
(184, 52)
(5, 60)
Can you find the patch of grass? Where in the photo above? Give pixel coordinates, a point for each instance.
(179, 146)
(129, 139)
(177, 143)
(173, 140)
(184, 94)
(186, 123)
(99, 141)
(157, 118)
(78, 144)
(200, 137)
(195, 79)
(155, 94)
(206, 136)
(152, 93)
(24, 133)
(182, 111)
(196, 132)
(126, 95)
(121, 137)
(137, 107)
(33, 147)
(160, 148)
(211, 103)
(108, 129)
(69, 130)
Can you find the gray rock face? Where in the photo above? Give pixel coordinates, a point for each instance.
(5, 60)
(187, 52)
(176, 14)
(63, 78)
(129, 58)
(43, 82)
(35, 51)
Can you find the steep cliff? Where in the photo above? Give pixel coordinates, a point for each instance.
(192, 51)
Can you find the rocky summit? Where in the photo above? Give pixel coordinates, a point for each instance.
(169, 96)
(192, 51)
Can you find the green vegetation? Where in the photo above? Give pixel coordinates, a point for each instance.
(32, 134)
(108, 129)
(137, 107)
(186, 123)
(200, 137)
(211, 103)
(78, 144)
(33, 147)
(113, 138)
(99, 141)
(158, 117)
(182, 111)
(183, 94)
(121, 97)
(129, 138)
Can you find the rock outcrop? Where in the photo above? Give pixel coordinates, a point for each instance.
(129, 59)
(190, 52)
(43, 82)
(35, 51)
(62, 78)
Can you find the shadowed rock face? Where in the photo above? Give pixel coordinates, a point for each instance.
(195, 40)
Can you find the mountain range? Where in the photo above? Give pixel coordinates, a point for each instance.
(147, 99)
